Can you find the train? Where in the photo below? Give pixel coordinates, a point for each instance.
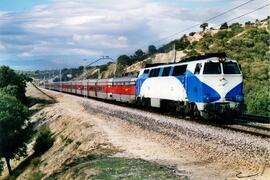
(209, 86)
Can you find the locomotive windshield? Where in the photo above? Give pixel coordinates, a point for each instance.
(215, 68)
(230, 68)
(212, 68)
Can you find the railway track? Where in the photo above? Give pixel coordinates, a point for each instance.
(255, 118)
(256, 129)
(250, 124)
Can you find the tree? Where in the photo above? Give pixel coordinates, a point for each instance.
(124, 60)
(9, 77)
(248, 23)
(235, 25)
(152, 49)
(11, 90)
(139, 54)
(257, 22)
(15, 129)
(204, 26)
(192, 33)
(224, 26)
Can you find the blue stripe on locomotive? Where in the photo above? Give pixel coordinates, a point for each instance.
(139, 83)
(198, 91)
(235, 94)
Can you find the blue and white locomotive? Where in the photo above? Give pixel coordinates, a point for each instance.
(210, 86)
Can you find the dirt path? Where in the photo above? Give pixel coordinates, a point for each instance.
(92, 129)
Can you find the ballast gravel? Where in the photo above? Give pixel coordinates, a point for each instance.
(236, 149)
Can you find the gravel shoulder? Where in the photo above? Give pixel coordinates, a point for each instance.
(197, 151)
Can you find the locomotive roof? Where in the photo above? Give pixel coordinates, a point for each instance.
(190, 59)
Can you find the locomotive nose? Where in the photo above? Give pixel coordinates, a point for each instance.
(230, 88)
(222, 88)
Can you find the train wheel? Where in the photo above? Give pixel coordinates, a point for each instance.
(196, 112)
(204, 115)
(146, 102)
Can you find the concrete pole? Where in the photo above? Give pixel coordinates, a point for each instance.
(174, 53)
(98, 73)
(60, 79)
(84, 69)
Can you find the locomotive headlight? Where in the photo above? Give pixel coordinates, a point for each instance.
(239, 98)
(206, 98)
(221, 59)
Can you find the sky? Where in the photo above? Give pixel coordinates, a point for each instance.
(52, 34)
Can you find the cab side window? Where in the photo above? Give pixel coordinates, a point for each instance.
(166, 71)
(154, 72)
(179, 70)
(146, 71)
(198, 68)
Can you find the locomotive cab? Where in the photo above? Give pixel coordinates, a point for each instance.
(221, 87)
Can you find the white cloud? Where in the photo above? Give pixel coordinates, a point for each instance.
(25, 54)
(88, 28)
(79, 20)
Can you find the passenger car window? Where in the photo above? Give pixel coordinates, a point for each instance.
(166, 71)
(212, 68)
(198, 68)
(179, 70)
(230, 68)
(154, 72)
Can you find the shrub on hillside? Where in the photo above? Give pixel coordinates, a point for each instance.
(258, 101)
(44, 140)
(35, 162)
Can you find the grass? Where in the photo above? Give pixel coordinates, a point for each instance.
(36, 175)
(107, 167)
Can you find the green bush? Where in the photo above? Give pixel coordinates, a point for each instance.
(44, 140)
(258, 101)
(36, 175)
(35, 162)
(68, 141)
